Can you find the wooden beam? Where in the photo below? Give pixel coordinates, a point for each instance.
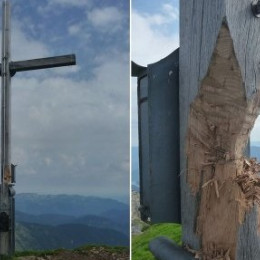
(44, 63)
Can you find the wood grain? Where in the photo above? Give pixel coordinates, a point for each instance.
(201, 22)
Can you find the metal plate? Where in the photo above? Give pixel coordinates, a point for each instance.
(4, 222)
(164, 139)
(158, 100)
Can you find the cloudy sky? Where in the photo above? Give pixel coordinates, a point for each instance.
(155, 34)
(70, 126)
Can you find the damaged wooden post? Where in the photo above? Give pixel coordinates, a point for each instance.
(219, 103)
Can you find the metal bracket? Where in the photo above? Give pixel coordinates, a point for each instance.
(4, 222)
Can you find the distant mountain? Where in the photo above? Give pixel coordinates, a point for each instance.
(68, 221)
(135, 166)
(257, 143)
(120, 217)
(40, 237)
(135, 188)
(66, 205)
(44, 219)
(111, 221)
(255, 152)
(120, 225)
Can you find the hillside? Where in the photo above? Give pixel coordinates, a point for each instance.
(82, 253)
(40, 237)
(68, 205)
(89, 220)
(68, 221)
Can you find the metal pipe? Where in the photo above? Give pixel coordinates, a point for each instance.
(5, 157)
(165, 249)
(44, 63)
(6, 230)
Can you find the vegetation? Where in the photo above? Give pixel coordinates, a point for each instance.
(6, 258)
(112, 249)
(140, 250)
(38, 253)
(79, 250)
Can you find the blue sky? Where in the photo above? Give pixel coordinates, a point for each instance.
(155, 34)
(70, 126)
(155, 27)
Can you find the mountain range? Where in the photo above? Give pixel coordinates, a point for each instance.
(69, 221)
(41, 237)
(74, 205)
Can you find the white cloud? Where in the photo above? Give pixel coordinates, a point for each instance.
(67, 128)
(171, 11)
(24, 47)
(48, 161)
(74, 29)
(107, 18)
(255, 134)
(80, 30)
(81, 125)
(52, 5)
(168, 15)
(65, 70)
(149, 44)
(72, 2)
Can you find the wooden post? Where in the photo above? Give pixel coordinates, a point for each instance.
(219, 102)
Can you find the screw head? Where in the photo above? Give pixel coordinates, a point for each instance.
(256, 8)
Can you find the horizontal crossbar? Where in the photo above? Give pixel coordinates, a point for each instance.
(44, 63)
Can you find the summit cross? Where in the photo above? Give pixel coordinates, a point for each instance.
(8, 69)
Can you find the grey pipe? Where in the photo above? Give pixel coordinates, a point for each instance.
(165, 249)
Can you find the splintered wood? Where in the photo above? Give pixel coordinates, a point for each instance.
(212, 254)
(225, 184)
(249, 181)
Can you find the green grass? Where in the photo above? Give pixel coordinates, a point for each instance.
(38, 253)
(80, 250)
(140, 250)
(2, 257)
(32, 253)
(112, 249)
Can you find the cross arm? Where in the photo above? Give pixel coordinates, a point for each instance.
(43, 63)
(137, 69)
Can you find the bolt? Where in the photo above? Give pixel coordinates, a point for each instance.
(256, 8)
